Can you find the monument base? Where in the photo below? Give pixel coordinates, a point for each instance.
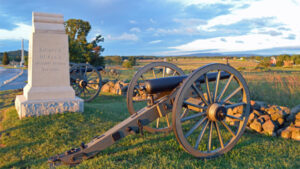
(28, 108)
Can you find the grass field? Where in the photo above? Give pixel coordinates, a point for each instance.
(27, 143)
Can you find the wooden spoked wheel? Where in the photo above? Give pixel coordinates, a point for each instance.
(86, 81)
(138, 98)
(202, 115)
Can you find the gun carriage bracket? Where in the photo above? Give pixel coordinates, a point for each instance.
(199, 104)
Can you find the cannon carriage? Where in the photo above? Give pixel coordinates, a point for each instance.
(160, 98)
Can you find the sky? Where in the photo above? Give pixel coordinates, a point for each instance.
(167, 27)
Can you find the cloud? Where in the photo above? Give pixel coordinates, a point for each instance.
(249, 42)
(190, 21)
(155, 41)
(124, 36)
(135, 29)
(152, 21)
(22, 31)
(132, 22)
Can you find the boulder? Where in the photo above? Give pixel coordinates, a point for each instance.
(297, 116)
(111, 84)
(277, 114)
(105, 88)
(269, 127)
(263, 118)
(280, 121)
(297, 123)
(286, 133)
(296, 134)
(256, 125)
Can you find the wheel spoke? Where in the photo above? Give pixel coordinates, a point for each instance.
(164, 71)
(174, 73)
(195, 127)
(217, 86)
(200, 136)
(157, 122)
(194, 105)
(192, 117)
(209, 137)
(184, 113)
(227, 127)
(154, 75)
(167, 119)
(234, 105)
(233, 117)
(219, 134)
(207, 89)
(232, 94)
(225, 88)
(200, 94)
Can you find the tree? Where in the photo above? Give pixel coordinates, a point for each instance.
(132, 60)
(80, 50)
(5, 59)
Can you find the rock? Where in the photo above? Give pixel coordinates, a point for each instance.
(296, 134)
(271, 110)
(285, 109)
(258, 113)
(276, 115)
(286, 133)
(252, 116)
(256, 126)
(269, 127)
(263, 118)
(297, 116)
(297, 123)
(238, 110)
(280, 121)
(110, 83)
(105, 88)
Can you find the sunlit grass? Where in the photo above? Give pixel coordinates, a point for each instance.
(28, 143)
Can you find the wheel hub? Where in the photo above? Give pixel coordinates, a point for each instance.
(216, 112)
(83, 83)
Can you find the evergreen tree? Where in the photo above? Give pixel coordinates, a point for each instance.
(5, 60)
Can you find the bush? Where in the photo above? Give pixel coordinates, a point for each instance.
(127, 64)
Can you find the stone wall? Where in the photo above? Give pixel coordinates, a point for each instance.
(272, 120)
(115, 87)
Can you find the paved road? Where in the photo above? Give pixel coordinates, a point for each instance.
(18, 83)
(6, 74)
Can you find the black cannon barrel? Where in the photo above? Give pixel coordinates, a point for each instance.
(163, 84)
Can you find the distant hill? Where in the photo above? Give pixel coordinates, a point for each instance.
(14, 55)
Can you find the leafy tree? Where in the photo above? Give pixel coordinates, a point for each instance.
(5, 60)
(80, 50)
(132, 60)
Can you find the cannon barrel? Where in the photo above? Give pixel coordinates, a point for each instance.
(164, 84)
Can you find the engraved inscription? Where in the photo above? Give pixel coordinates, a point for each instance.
(51, 60)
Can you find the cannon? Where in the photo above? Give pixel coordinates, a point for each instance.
(86, 80)
(196, 107)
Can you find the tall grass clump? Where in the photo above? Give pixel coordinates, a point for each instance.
(275, 88)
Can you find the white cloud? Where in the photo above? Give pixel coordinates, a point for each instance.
(22, 31)
(238, 43)
(132, 22)
(152, 21)
(155, 41)
(282, 14)
(135, 29)
(124, 36)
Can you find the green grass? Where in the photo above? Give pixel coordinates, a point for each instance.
(28, 143)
